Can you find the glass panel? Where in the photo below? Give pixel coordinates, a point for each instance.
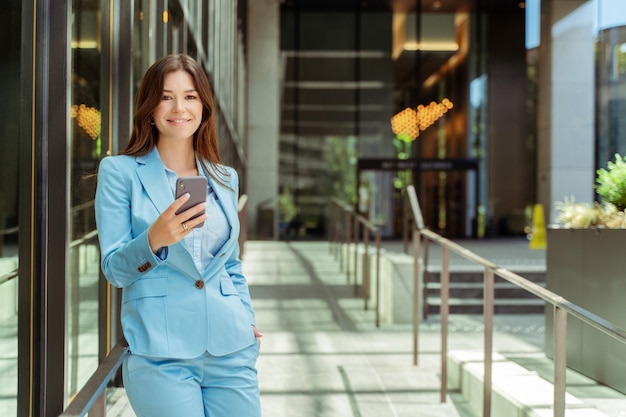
(82, 280)
(142, 50)
(10, 44)
(611, 81)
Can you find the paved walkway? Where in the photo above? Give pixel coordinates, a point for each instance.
(322, 355)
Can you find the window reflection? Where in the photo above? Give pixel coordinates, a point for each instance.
(86, 149)
(10, 33)
(611, 94)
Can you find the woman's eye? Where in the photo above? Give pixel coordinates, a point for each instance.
(166, 98)
(191, 97)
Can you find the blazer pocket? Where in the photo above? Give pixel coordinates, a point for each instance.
(145, 287)
(227, 287)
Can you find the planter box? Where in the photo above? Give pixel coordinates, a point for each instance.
(588, 268)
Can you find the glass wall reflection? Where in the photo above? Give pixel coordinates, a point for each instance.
(611, 81)
(10, 73)
(86, 148)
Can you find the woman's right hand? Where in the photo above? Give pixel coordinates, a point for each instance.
(170, 227)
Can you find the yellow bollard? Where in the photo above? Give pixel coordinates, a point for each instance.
(538, 233)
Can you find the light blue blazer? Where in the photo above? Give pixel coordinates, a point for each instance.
(169, 309)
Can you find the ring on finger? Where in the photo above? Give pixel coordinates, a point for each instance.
(185, 227)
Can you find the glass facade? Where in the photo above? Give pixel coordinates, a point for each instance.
(87, 98)
(10, 117)
(60, 117)
(610, 81)
(345, 90)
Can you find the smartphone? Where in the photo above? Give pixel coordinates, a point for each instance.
(196, 187)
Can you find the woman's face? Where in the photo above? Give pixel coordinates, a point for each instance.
(179, 114)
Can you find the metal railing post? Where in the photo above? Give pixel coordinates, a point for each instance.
(347, 234)
(405, 223)
(425, 279)
(356, 254)
(488, 354)
(560, 360)
(332, 228)
(378, 239)
(346, 249)
(444, 310)
(416, 320)
(366, 267)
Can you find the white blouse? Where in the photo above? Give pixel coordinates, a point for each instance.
(204, 243)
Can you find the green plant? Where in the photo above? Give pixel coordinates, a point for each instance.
(340, 153)
(286, 206)
(611, 182)
(609, 213)
(572, 215)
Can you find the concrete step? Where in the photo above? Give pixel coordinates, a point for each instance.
(475, 305)
(466, 292)
(516, 390)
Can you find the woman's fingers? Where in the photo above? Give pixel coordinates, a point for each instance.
(170, 227)
(257, 334)
(187, 216)
(178, 203)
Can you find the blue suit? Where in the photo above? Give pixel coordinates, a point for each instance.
(170, 310)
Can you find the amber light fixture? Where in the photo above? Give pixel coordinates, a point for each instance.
(88, 118)
(410, 122)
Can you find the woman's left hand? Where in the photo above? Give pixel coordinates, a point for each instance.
(257, 334)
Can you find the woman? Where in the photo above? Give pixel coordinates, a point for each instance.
(186, 310)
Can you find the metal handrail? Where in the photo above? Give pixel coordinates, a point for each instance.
(75, 243)
(344, 219)
(562, 308)
(87, 237)
(8, 277)
(9, 231)
(75, 209)
(93, 391)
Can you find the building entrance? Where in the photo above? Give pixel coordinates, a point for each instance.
(448, 191)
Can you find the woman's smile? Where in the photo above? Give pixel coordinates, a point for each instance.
(179, 113)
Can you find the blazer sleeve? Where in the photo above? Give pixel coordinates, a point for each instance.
(126, 254)
(233, 264)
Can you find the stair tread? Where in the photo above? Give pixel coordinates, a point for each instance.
(456, 285)
(497, 301)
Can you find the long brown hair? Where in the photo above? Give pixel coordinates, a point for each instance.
(145, 134)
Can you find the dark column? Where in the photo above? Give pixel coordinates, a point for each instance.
(43, 209)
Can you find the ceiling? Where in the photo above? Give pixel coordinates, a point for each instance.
(339, 73)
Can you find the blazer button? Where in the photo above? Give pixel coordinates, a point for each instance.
(199, 284)
(144, 267)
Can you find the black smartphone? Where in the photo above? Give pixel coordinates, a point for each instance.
(197, 188)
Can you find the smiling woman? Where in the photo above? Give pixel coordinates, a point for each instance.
(177, 117)
(174, 265)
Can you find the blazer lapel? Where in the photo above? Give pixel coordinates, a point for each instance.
(224, 199)
(151, 173)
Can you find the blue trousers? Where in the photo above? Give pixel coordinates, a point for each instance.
(207, 386)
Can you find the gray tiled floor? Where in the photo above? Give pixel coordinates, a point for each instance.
(322, 355)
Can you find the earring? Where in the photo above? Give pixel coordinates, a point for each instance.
(152, 122)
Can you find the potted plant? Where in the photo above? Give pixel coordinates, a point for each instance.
(609, 212)
(586, 264)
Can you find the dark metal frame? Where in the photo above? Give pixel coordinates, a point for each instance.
(43, 209)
